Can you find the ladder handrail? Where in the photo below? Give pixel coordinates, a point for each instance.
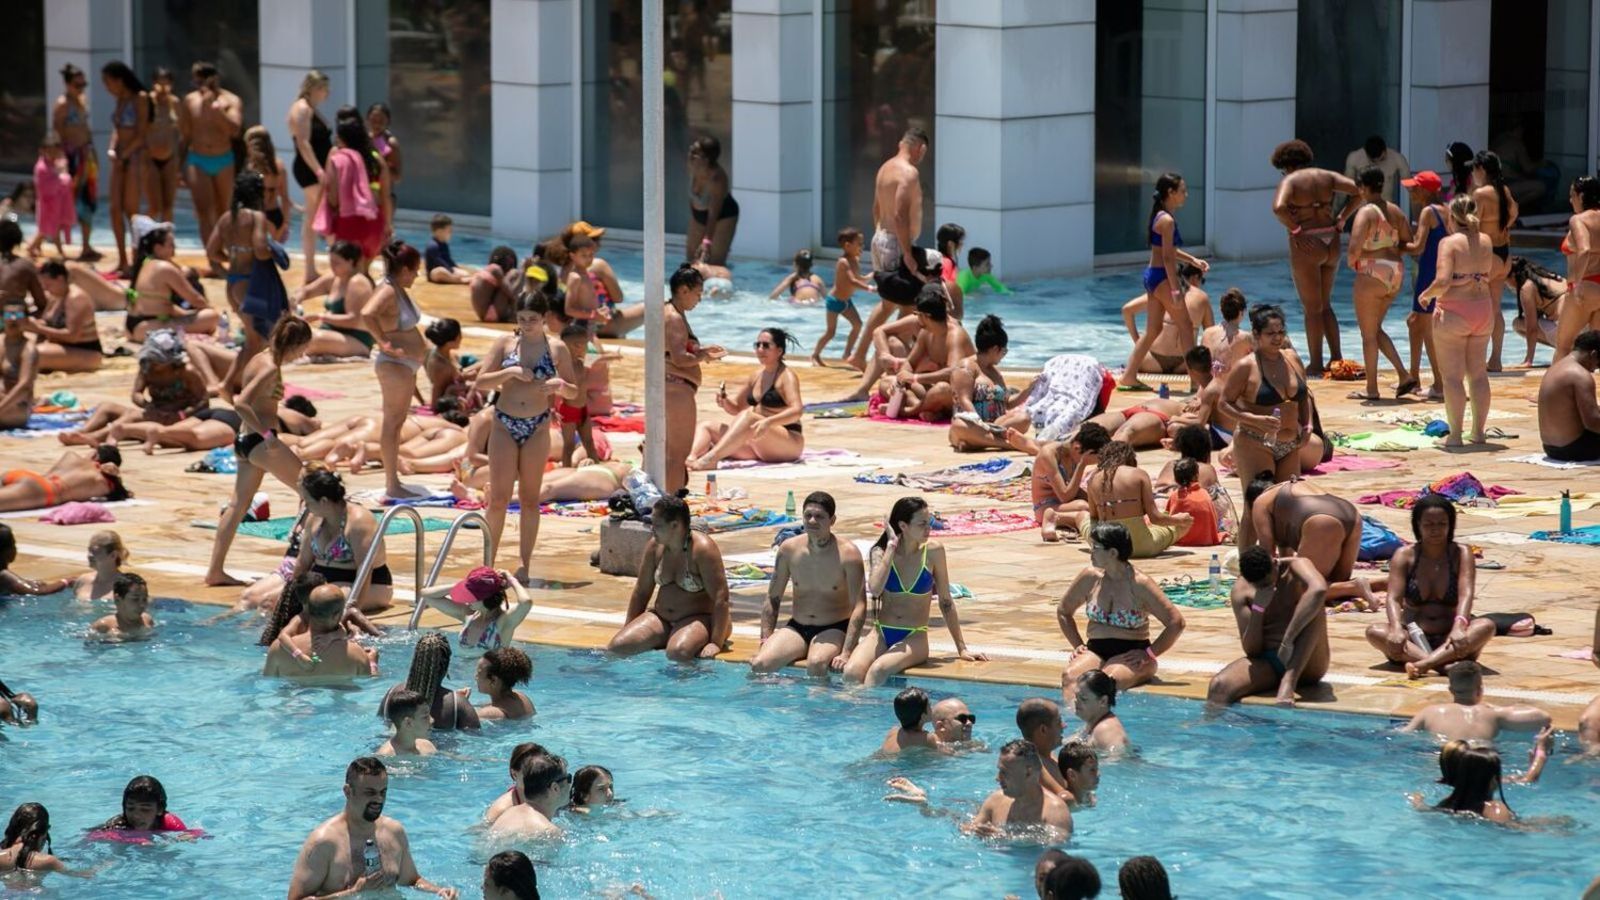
(444, 550)
(364, 573)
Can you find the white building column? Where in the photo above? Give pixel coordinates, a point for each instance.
(774, 135)
(1255, 68)
(1449, 79)
(88, 34)
(1014, 131)
(531, 65)
(297, 36)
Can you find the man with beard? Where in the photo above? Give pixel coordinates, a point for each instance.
(359, 849)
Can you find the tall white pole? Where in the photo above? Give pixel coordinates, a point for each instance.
(655, 357)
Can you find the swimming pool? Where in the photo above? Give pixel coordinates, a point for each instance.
(738, 786)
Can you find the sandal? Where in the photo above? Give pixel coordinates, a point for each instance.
(1361, 395)
(1495, 431)
(1409, 386)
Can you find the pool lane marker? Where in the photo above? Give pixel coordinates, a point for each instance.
(1176, 665)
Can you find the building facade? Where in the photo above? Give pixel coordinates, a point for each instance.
(1050, 119)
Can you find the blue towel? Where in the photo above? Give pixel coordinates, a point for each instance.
(1588, 534)
(48, 422)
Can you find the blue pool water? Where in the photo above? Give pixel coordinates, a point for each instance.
(735, 787)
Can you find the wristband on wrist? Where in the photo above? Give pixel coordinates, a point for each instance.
(1463, 620)
(1257, 609)
(1151, 651)
(1295, 231)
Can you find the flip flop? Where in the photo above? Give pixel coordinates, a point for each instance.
(1361, 395)
(1409, 386)
(1495, 431)
(1140, 388)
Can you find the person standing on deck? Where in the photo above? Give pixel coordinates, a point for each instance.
(896, 222)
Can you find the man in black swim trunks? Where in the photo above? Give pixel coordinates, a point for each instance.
(1569, 416)
(830, 601)
(1278, 606)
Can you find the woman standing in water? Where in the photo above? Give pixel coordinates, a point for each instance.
(1497, 210)
(1304, 204)
(70, 118)
(161, 138)
(684, 355)
(1462, 318)
(713, 213)
(126, 153)
(1376, 237)
(392, 316)
(1164, 290)
(1581, 304)
(312, 141)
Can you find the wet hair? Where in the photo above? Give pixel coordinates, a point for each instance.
(847, 234)
(1371, 178)
(1477, 781)
(1587, 187)
(1489, 162)
(108, 453)
(127, 583)
(118, 70)
(1434, 501)
(1144, 878)
(911, 707)
(822, 499)
(1291, 155)
(1100, 685)
(1459, 155)
(504, 257)
(1466, 677)
(1193, 442)
(398, 254)
(1091, 437)
(685, 278)
(902, 512)
(914, 135)
(1185, 472)
(429, 665)
(352, 132)
(521, 753)
(782, 340)
(990, 334)
(11, 236)
(1198, 358)
(538, 773)
(290, 333)
(584, 780)
(301, 404)
(291, 602)
(440, 221)
(933, 302)
(1523, 269)
(1114, 455)
(1073, 878)
(976, 257)
(708, 148)
(367, 766)
(1114, 537)
(202, 69)
(1232, 304)
(1034, 713)
(142, 789)
(1258, 485)
(1587, 342)
(248, 190)
(111, 541)
(1074, 755)
(512, 871)
(70, 73)
(1187, 271)
(509, 666)
(1263, 314)
(1449, 756)
(30, 825)
(443, 331)
(402, 705)
(670, 509)
(1165, 185)
(1023, 750)
(1255, 564)
(949, 235)
(803, 262)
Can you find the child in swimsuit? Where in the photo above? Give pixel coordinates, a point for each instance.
(847, 280)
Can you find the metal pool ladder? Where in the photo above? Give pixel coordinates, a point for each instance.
(364, 573)
(444, 552)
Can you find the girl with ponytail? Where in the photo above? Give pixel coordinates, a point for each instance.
(1164, 290)
(1496, 210)
(1462, 324)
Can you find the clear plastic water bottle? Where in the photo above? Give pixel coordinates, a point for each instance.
(1216, 573)
(370, 858)
(1421, 639)
(642, 490)
(223, 328)
(788, 505)
(1566, 511)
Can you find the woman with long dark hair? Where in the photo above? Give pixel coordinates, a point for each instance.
(766, 413)
(126, 153)
(1477, 790)
(1580, 308)
(26, 847)
(1164, 290)
(1267, 393)
(713, 213)
(391, 316)
(158, 283)
(1497, 212)
(355, 189)
(682, 570)
(69, 118)
(1458, 162)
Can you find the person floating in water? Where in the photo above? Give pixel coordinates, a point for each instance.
(131, 621)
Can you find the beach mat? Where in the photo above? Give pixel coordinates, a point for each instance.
(1394, 440)
(41, 424)
(1588, 536)
(815, 462)
(1194, 594)
(1539, 459)
(1353, 463)
(278, 529)
(108, 504)
(979, 521)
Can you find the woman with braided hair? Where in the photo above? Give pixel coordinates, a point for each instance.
(450, 709)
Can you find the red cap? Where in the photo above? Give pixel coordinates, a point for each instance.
(1428, 181)
(479, 585)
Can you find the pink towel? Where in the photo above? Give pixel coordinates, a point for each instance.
(983, 521)
(1354, 464)
(76, 513)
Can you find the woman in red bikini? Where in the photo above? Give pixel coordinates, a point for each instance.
(1580, 308)
(1463, 318)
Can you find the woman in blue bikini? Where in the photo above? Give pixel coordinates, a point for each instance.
(1162, 287)
(899, 638)
(526, 368)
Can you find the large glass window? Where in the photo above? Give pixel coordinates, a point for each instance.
(1347, 78)
(23, 116)
(431, 66)
(1150, 116)
(176, 33)
(877, 65)
(1539, 98)
(698, 101)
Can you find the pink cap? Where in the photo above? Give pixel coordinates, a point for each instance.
(1428, 181)
(479, 585)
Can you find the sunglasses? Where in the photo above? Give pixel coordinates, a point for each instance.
(765, 345)
(965, 718)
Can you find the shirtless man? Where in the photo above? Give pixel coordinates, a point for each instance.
(1569, 417)
(830, 600)
(131, 621)
(897, 223)
(952, 724)
(1278, 607)
(333, 860)
(1020, 801)
(546, 785)
(1058, 471)
(208, 120)
(1205, 407)
(1039, 720)
(1467, 717)
(324, 651)
(921, 378)
(1304, 204)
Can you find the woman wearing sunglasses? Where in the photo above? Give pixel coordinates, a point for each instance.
(766, 413)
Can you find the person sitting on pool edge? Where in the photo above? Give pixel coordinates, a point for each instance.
(408, 713)
(1118, 602)
(1278, 607)
(131, 621)
(325, 650)
(499, 672)
(1039, 720)
(16, 585)
(546, 784)
(691, 618)
(1020, 800)
(1569, 416)
(1079, 765)
(911, 708)
(1092, 702)
(830, 600)
(1467, 716)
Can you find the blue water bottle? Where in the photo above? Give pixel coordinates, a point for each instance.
(1163, 392)
(1566, 511)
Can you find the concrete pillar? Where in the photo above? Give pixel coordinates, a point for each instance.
(531, 66)
(1255, 60)
(296, 36)
(1014, 94)
(88, 34)
(774, 133)
(1449, 79)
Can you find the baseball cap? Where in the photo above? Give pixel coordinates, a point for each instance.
(1428, 181)
(479, 585)
(592, 232)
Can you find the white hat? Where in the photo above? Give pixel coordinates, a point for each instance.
(143, 225)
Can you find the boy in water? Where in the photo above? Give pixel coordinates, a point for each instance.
(439, 265)
(409, 715)
(912, 709)
(130, 622)
(847, 279)
(1079, 764)
(978, 274)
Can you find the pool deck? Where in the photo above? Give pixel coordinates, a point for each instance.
(1012, 617)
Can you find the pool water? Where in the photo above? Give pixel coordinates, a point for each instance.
(735, 786)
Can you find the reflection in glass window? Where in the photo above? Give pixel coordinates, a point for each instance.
(177, 33)
(1347, 79)
(23, 104)
(1539, 113)
(1150, 116)
(877, 64)
(431, 66)
(698, 101)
